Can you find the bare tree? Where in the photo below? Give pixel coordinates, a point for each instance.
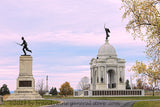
(84, 83)
(40, 87)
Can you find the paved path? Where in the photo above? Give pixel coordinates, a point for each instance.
(92, 103)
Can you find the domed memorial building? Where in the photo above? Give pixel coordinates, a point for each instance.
(107, 74)
(107, 71)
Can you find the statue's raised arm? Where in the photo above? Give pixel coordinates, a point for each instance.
(107, 31)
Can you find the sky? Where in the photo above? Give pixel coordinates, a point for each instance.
(64, 35)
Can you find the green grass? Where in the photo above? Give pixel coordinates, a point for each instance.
(147, 104)
(107, 98)
(28, 103)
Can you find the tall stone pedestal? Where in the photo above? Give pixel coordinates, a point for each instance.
(25, 82)
(1, 99)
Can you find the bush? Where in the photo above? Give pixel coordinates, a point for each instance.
(53, 91)
(4, 90)
(66, 89)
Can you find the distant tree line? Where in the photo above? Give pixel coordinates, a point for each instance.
(65, 89)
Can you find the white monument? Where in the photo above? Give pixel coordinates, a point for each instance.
(25, 82)
(47, 92)
(107, 71)
(47, 84)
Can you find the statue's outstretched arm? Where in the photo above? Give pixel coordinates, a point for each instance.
(22, 43)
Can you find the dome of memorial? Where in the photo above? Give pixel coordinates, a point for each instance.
(107, 50)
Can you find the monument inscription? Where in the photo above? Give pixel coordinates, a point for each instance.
(25, 83)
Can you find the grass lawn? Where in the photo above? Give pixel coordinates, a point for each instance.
(28, 103)
(147, 104)
(107, 98)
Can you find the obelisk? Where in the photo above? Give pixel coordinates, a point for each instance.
(47, 92)
(47, 83)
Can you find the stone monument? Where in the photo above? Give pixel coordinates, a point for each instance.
(1, 99)
(47, 92)
(107, 73)
(25, 82)
(47, 83)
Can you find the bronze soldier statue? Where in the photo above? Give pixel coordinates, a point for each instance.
(107, 31)
(24, 44)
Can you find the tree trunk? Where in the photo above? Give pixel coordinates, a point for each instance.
(153, 91)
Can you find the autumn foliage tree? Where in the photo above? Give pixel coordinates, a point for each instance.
(148, 72)
(139, 83)
(144, 23)
(66, 89)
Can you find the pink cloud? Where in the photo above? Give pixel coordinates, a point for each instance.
(118, 36)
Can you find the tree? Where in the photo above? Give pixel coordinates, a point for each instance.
(127, 85)
(53, 91)
(66, 89)
(148, 73)
(139, 83)
(144, 23)
(4, 90)
(40, 87)
(84, 83)
(134, 86)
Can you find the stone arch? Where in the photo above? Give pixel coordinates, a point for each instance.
(111, 78)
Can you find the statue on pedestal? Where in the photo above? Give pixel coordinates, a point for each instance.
(25, 48)
(25, 87)
(107, 31)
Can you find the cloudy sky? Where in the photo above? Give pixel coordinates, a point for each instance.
(64, 35)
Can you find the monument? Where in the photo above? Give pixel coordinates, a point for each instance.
(25, 89)
(107, 73)
(47, 92)
(47, 83)
(1, 99)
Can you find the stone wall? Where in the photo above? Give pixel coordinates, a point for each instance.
(107, 93)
